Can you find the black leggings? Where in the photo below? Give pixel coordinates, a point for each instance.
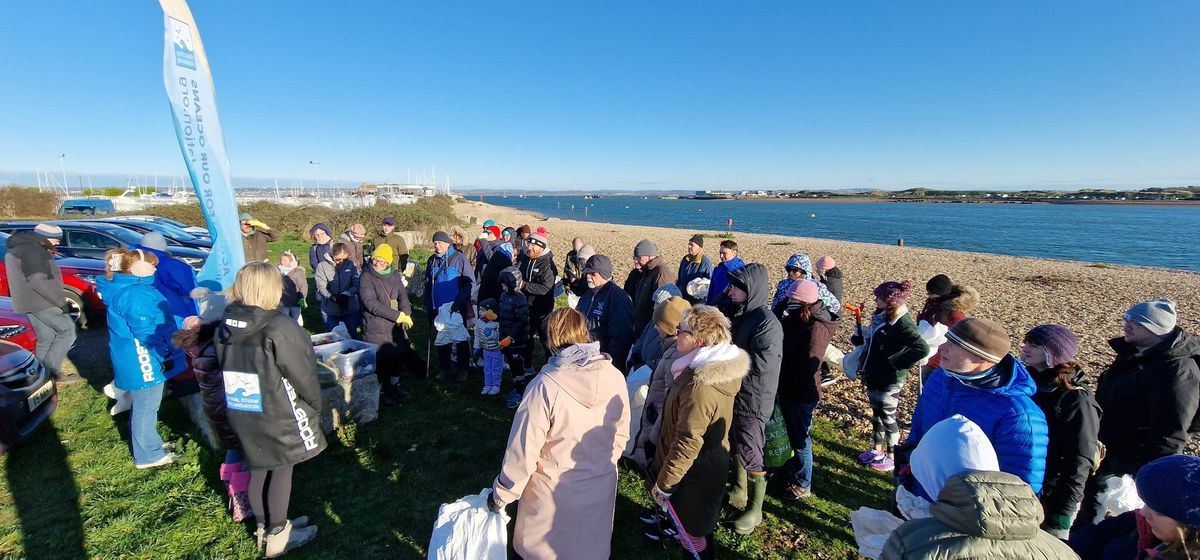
(269, 494)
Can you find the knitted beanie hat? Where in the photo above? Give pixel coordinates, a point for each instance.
(982, 337)
(804, 291)
(384, 253)
(540, 240)
(1171, 487)
(523, 230)
(893, 293)
(495, 231)
(48, 230)
(668, 313)
(697, 239)
(1058, 341)
(441, 236)
(1158, 316)
(939, 285)
(826, 263)
(645, 248)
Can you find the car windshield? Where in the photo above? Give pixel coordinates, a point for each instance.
(123, 235)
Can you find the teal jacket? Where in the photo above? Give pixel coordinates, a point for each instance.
(140, 327)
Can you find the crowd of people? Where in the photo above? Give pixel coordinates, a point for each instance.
(1006, 455)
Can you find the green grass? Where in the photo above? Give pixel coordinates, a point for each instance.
(73, 491)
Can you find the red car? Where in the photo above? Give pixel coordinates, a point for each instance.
(79, 285)
(15, 327)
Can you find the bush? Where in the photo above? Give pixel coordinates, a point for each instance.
(20, 202)
(424, 215)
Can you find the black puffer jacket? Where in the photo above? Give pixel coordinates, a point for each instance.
(804, 344)
(836, 283)
(202, 357)
(539, 274)
(378, 293)
(758, 332)
(275, 402)
(514, 309)
(1073, 418)
(1150, 398)
(489, 279)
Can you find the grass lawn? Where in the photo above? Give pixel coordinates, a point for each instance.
(73, 491)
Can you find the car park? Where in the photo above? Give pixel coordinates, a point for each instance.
(28, 395)
(88, 239)
(174, 236)
(79, 285)
(194, 230)
(15, 327)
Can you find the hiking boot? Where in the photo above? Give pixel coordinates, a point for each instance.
(287, 538)
(738, 495)
(164, 461)
(794, 491)
(752, 517)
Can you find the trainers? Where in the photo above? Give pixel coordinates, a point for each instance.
(513, 400)
(652, 517)
(883, 464)
(486, 391)
(794, 491)
(828, 379)
(661, 532)
(869, 456)
(164, 461)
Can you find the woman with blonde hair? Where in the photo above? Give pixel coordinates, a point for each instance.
(561, 462)
(140, 327)
(272, 398)
(692, 456)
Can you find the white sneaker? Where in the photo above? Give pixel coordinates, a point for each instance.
(495, 390)
(166, 460)
(486, 390)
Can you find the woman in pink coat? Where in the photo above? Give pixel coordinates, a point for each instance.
(561, 463)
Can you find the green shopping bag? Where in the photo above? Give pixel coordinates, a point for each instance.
(778, 448)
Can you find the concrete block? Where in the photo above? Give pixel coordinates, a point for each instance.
(350, 401)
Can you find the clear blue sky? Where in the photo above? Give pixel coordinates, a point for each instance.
(639, 94)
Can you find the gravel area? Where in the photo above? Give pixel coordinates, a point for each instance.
(1018, 292)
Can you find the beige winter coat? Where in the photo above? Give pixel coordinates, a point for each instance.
(561, 463)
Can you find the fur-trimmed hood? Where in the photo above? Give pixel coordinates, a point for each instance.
(963, 299)
(721, 367)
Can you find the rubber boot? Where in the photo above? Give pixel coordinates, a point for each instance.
(239, 500)
(750, 519)
(288, 538)
(738, 494)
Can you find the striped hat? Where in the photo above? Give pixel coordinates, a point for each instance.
(981, 337)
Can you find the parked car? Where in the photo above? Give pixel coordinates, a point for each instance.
(89, 240)
(15, 327)
(28, 395)
(86, 207)
(174, 236)
(194, 230)
(79, 285)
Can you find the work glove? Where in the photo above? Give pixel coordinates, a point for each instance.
(504, 342)
(491, 503)
(659, 496)
(404, 320)
(258, 224)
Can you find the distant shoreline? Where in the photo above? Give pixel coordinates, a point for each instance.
(866, 199)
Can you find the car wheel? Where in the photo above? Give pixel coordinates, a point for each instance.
(75, 302)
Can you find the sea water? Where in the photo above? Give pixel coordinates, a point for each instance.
(1134, 234)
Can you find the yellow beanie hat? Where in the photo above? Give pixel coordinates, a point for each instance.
(384, 253)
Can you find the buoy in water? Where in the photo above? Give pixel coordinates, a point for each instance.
(812, 215)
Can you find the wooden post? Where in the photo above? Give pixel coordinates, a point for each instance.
(900, 242)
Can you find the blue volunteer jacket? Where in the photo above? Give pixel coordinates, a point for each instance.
(140, 327)
(175, 280)
(441, 277)
(1007, 414)
(720, 278)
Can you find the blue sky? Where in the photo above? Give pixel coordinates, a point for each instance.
(625, 95)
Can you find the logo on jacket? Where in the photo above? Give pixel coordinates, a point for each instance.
(242, 391)
(145, 362)
(302, 420)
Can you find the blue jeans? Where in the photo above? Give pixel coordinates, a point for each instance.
(143, 425)
(798, 418)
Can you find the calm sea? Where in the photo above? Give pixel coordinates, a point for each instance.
(1161, 236)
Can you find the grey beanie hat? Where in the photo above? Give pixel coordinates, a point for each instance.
(154, 240)
(585, 253)
(442, 236)
(645, 248)
(1157, 315)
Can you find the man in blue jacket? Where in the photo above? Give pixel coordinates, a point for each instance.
(447, 273)
(980, 380)
(608, 310)
(720, 275)
(174, 278)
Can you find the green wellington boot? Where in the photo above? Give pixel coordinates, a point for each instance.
(738, 494)
(748, 521)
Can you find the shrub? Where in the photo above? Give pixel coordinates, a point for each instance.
(17, 201)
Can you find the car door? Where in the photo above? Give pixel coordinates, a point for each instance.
(86, 244)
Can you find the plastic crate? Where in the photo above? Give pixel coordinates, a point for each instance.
(348, 358)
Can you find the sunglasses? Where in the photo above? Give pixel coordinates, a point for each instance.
(681, 330)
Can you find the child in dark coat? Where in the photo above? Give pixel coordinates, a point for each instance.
(514, 329)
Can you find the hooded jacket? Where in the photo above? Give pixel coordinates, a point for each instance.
(1150, 399)
(489, 279)
(202, 356)
(175, 280)
(720, 278)
(561, 462)
(836, 283)
(804, 345)
(693, 440)
(654, 275)
(691, 269)
(1007, 414)
(1073, 419)
(333, 280)
(539, 274)
(254, 244)
(34, 282)
(609, 314)
(383, 298)
(441, 277)
(978, 514)
(758, 332)
(514, 309)
(317, 251)
(140, 327)
(272, 395)
(801, 261)
(355, 248)
(892, 349)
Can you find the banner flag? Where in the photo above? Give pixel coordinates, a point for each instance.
(189, 84)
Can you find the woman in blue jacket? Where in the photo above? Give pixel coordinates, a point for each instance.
(140, 326)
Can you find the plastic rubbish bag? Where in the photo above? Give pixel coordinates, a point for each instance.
(934, 336)
(468, 530)
(638, 385)
(833, 356)
(872, 528)
(341, 331)
(450, 326)
(1118, 496)
(698, 288)
(851, 362)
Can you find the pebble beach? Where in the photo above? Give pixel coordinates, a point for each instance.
(1018, 292)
